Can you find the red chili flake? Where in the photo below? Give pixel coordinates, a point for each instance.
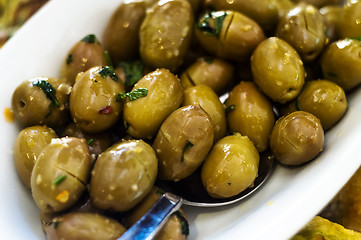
(106, 110)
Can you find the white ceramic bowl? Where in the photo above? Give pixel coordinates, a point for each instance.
(288, 200)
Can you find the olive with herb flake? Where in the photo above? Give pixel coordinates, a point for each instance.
(231, 166)
(183, 141)
(28, 145)
(349, 24)
(297, 138)
(123, 175)
(85, 54)
(227, 34)
(60, 174)
(41, 100)
(277, 70)
(93, 104)
(162, 94)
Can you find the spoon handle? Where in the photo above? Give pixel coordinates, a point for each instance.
(148, 226)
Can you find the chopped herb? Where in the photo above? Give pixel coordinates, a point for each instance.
(56, 224)
(90, 141)
(50, 92)
(108, 71)
(331, 74)
(184, 223)
(298, 107)
(133, 95)
(209, 60)
(126, 125)
(107, 58)
(106, 110)
(229, 184)
(230, 108)
(133, 72)
(186, 147)
(212, 28)
(69, 59)
(159, 191)
(59, 180)
(356, 38)
(91, 38)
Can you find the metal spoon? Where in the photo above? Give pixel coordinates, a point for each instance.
(189, 192)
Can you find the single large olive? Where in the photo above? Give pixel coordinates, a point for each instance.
(93, 101)
(250, 113)
(297, 138)
(183, 141)
(123, 175)
(278, 70)
(29, 143)
(164, 43)
(85, 54)
(349, 24)
(60, 175)
(161, 94)
(83, 225)
(41, 100)
(231, 166)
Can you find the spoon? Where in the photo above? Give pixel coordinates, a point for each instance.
(189, 192)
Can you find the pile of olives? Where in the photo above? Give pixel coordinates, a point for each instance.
(142, 103)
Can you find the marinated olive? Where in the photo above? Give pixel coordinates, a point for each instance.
(303, 27)
(28, 146)
(164, 94)
(163, 44)
(277, 70)
(93, 104)
(123, 175)
(250, 113)
(297, 138)
(350, 20)
(231, 166)
(183, 141)
(340, 63)
(209, 101)
(85, 54)
(324, 99)
(84, 225)
(60, 175)
(212, 72)
(227, 34)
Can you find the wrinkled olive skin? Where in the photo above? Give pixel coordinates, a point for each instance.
(144, 115)
(80, 58)
(251, 114)
(238, 37)
(120, 36)
(231, 166)
(349, 24)
(331, 15)
(28, 145)
(209, 102)
(164, 44)
(123, 175)
(92, 104)
(277, 70)
(67, 157)
(321, 3)
(212, 72)
(324, 99)
(31, 106)
(84, 226)
(303, 27)
(340, 63)
(183, 142)
(297, 138)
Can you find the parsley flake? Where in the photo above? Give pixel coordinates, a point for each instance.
(56, 224)
(108, 58)
(133, 95)
(209, 60)
(90, 141)
(211, 23)
(108, 72)
(91, 38)
(50, 92)
(186, 147)
(59, 180)
(69, 59)
(184, 223)
(230, 108)
(133, 72)
(298, 107)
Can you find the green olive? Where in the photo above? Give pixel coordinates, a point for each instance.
(303, 27)
(120, 36)
(85, 54)
(183, 142)
(228, 34)
(60, 174)
(83, 225)
(250, 113)
(144, 115)
(164, 44)
(209, 101)
(212, 72)
(123, 175)
(28, 145)
(331, 15)
(278, 70)
(93, 104)
(340, 63)
(231, 166)
(41, 100)
(350, 20)
(297, 138)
